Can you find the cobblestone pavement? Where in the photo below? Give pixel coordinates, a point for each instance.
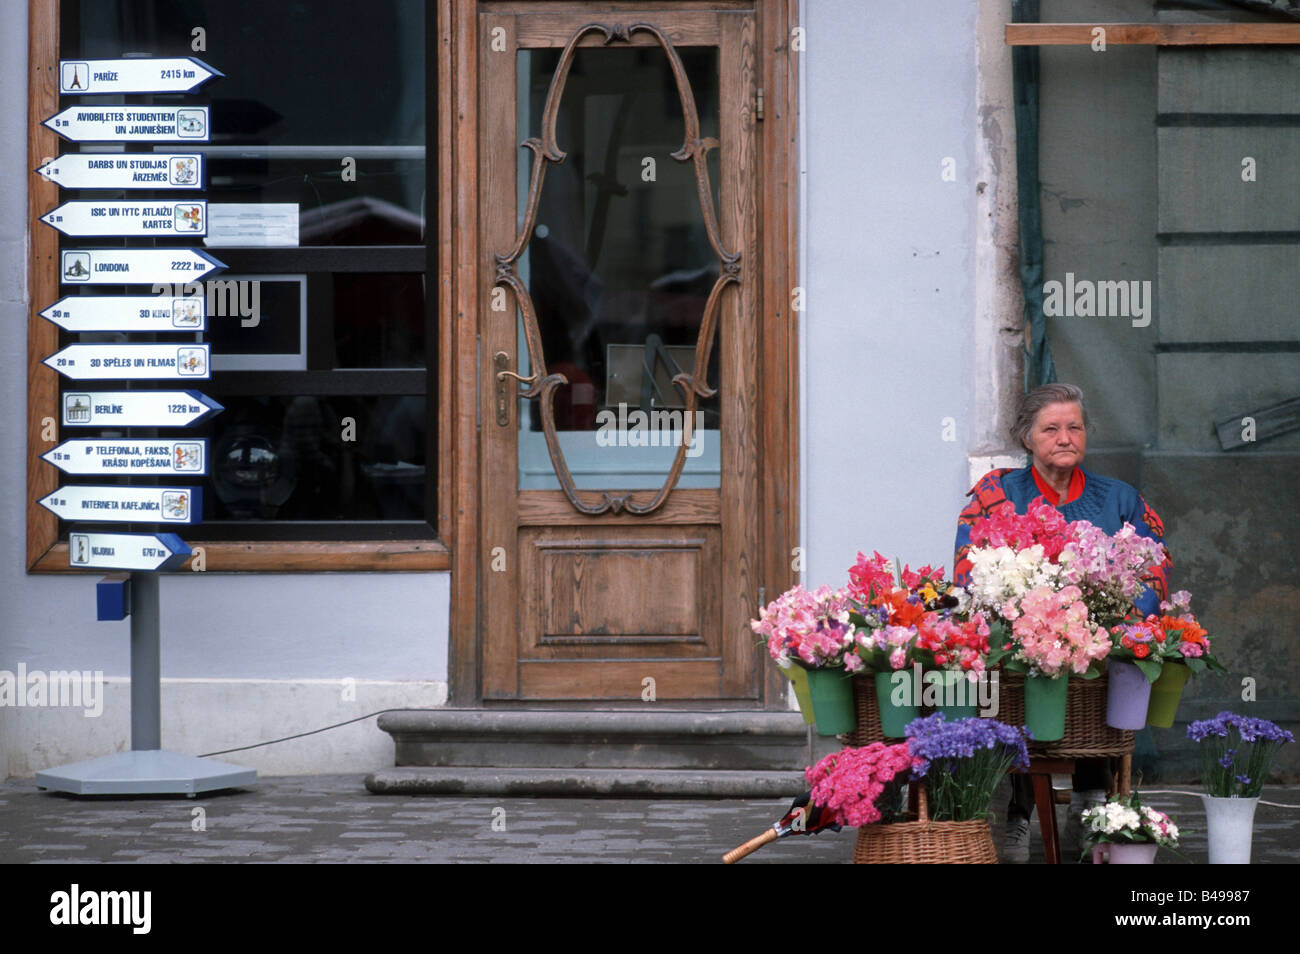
(332, 818)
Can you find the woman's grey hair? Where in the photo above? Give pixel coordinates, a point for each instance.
(1037, 399)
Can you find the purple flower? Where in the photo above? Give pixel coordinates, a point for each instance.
(933, 738)
(1243, 779)
(1226, 759)
(1248, 729)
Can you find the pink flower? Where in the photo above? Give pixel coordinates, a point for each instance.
(1054, 634)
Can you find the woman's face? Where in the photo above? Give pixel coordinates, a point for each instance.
(1057, 438)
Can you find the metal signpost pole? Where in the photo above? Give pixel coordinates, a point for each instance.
(146, 663)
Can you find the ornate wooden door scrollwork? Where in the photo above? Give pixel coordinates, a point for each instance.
(541, 384)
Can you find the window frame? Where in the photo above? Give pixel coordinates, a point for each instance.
(400, 550)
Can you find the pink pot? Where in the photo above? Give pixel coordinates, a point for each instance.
(1107, 854)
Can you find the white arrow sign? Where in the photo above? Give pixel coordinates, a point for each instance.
(89, 170)
(131, 123)
(139, 457)
(127, 504)
(127, 551)
(145, 75)
(136, 362)
(129, 218)
(137, 408)
(128, 313)
(135, 266)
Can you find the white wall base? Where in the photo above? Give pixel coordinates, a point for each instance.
(982, 464)
(200, 716)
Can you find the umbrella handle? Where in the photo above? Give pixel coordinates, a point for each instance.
(751, 846)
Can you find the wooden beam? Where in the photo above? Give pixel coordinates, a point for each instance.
(458, 244)
(42, 271)
(1152, 34)
(779, 327)
(230, 556)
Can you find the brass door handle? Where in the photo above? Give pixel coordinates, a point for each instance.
(501, 361)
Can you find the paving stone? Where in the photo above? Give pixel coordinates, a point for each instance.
(333, 819)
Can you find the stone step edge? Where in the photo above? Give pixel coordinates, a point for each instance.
(618, 783)
(638, 726)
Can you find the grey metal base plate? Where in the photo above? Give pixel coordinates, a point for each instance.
(145, 772)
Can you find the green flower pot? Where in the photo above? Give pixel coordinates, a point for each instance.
(894, 718)
(798, 677)
(832, 701)
(1045, 707)
(1165, 693)
(951, 688)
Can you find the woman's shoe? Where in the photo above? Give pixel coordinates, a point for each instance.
(1015, 843)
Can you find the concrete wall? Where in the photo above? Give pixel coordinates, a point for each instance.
(245, 658)
(909, 340)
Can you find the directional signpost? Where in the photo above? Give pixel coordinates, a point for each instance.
(147, 768)
(154, 218)
(128, 551)
(135, 266)
(137, 408)
(132, 361)
(131, 123)
(91, 170)
(118, 504)
(140, 75)
(128, 313)
(143, 457)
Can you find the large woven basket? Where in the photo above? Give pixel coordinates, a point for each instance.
(1086, 733)
(925, 842)
(864, 703)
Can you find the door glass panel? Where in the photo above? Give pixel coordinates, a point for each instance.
(619, 268)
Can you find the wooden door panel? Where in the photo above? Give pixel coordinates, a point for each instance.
(550, 507)
(619, 592)
(617, 679)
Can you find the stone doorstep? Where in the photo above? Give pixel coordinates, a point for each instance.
(554, 745)
(447, 723)
(526, 782)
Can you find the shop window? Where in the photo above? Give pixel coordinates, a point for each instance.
(317, 169)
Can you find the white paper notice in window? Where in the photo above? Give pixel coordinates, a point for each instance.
(252, 223)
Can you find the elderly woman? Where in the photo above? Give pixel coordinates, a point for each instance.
(1052, 425)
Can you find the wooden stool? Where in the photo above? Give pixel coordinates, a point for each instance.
(1040, 771)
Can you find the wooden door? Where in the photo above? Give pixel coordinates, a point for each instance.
(619, 470)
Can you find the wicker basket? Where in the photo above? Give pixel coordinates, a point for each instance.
(1086, 733)
(925, 842)
(864, 703)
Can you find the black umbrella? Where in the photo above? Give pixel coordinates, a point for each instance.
(799, 820)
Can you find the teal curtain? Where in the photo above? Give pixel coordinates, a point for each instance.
(1039, 367)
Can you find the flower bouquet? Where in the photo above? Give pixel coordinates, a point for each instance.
(811, 639)
(963, 762)
(861, 786)
(1184, 650)
(909, 619)
(1123, 831)
(1051, 636)
(1236, 754)
(1051, 589)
